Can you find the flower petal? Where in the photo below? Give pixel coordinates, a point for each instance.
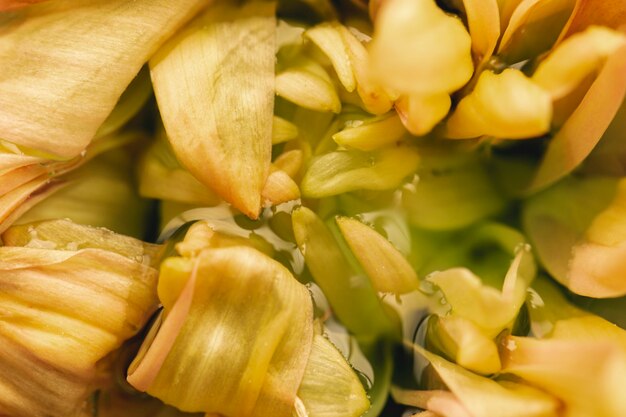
(54, 94)
(220, 121)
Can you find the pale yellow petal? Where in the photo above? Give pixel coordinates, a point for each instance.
(214, 84)
(506, 105)
(484, 397)
(307, 84)
(417, 48)
(279, 188)
(265, 335)
(54, 94)
(343, 171)
(52, 328)
(328, 38)
(420, 113)
(388, 269)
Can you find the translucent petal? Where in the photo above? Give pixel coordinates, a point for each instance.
(484, 26)
(279, 188)
(609, 13)
(214, 84)
(464, 343)
(101, 193)
(330, 388)
(376, 99)
(562, 367)
(533, 28)
(131, 101)
(453, 190)
(328, 38)
(266, 336)
(162, 177)
(283, 130)
(580, 239)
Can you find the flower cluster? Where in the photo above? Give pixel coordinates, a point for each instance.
(312, 208)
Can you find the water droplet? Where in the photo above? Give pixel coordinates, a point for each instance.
(427, 287)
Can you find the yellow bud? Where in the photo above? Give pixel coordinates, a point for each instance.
(506, 105)
(418, 48)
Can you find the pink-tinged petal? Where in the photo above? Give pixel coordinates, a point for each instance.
(610, 13)
(585, 127)
(146, 367)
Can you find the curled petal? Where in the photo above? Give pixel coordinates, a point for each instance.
(506, 105)
(585, 127)
(575, 58)
(54, 94)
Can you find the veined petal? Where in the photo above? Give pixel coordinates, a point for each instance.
(100, 193)
(506, 105)
(266, 336)
(162, 177)
(342, 171)
(307, 84)
(223, 136)
(54, 94)
(53, 332)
